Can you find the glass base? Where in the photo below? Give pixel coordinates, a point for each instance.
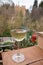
(18, 57)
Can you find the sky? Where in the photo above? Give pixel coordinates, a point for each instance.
(28, 3)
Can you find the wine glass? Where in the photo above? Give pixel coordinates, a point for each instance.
(18, 31)
(19, 34)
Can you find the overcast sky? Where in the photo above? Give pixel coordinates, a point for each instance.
(27, 3)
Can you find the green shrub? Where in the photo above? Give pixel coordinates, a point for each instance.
(6, 33)
(7, 43)
(27, 42)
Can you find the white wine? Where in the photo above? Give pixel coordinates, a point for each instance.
(18, 34)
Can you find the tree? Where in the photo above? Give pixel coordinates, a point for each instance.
(20, 13)
(6, 12)
(27, 14)
(41, 4)
(27, 18)
(35, 4)
(18, 20)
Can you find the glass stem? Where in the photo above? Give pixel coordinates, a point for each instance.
(18, 48)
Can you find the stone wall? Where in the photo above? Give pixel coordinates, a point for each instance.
(40, 41)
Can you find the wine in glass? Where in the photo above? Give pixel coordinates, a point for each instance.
(19, 35)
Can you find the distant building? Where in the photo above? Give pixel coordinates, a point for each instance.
(20, 8)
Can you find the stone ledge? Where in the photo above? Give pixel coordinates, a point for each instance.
(40, 34)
